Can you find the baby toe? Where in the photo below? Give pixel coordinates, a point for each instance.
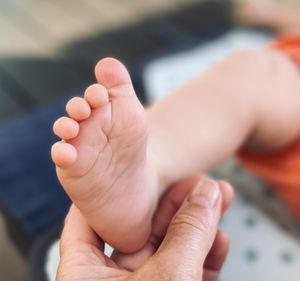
(78, 109)
(96, 95)
(66, 128)
(111, 73)
(63, 154)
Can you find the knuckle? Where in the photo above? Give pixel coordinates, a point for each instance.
(193, 221)
(166, 271)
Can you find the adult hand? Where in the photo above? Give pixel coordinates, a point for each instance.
(185, 243)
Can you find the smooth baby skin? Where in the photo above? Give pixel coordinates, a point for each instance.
(102, 162)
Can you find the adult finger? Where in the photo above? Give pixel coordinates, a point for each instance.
(227, 195)
(77, 233)
(172, 201)
(81, 252)
(193, 229)
(216, 257)
(167, 208)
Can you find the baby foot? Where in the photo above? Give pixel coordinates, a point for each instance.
(102, 160)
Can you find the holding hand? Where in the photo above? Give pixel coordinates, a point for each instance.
(185, 242)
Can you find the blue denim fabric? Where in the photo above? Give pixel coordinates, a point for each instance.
(29, 190)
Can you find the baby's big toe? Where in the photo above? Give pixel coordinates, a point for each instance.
(111, 73)
(63, 154)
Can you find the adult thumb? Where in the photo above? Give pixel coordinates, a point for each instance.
(193, 229)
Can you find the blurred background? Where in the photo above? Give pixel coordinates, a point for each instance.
(48, 50)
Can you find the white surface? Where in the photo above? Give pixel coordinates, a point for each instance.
(274, 254)
(52, 259)
(163, 75)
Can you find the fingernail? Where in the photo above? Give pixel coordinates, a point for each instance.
(207, 191)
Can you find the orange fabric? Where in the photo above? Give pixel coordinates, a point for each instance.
(282, 169)
(289, 45)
